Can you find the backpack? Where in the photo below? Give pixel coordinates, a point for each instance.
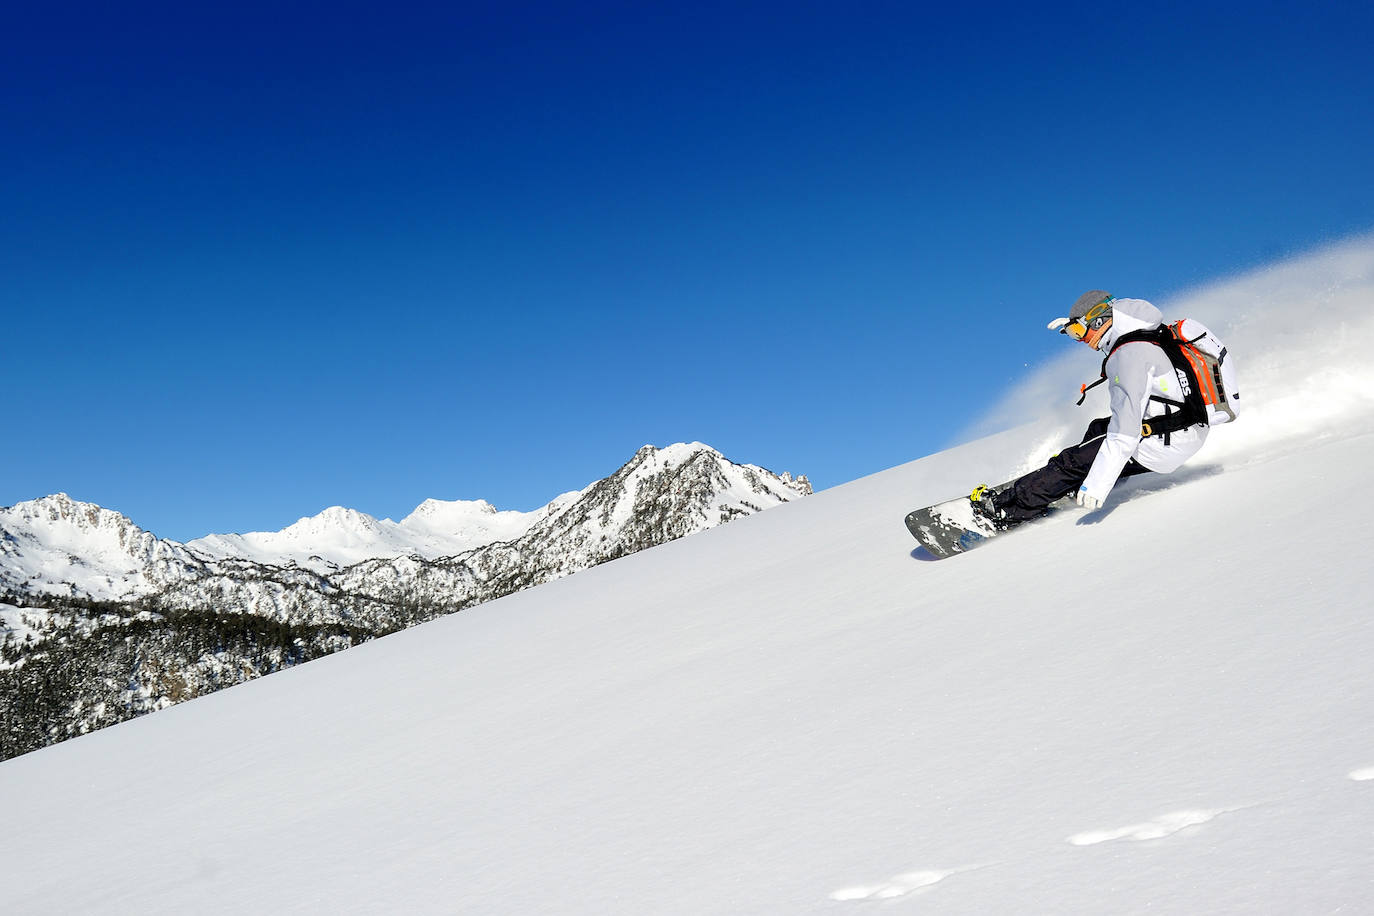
(1216, 377)
(1199, 359)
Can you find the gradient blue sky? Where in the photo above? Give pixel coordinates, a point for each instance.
(256, 260)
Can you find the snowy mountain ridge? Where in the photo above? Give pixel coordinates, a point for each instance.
(658, 496)
(57, 545)
(339, 537)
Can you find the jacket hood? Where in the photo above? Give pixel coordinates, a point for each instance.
(1130, 315)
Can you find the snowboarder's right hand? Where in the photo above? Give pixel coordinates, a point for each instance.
(1087, 500)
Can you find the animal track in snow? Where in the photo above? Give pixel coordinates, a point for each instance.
(1362, 775)
(899, 886)
(1162, 826)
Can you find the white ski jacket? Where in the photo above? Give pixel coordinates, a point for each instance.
(1135, 373)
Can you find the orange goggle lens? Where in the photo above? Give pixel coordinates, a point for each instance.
(1097, 316)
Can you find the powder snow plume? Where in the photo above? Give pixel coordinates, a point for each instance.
(1300, 331)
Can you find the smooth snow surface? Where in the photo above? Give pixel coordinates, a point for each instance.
(1163, 707)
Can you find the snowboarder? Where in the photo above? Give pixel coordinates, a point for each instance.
(1158, 419)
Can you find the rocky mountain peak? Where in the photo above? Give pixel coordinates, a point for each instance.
(59, 507)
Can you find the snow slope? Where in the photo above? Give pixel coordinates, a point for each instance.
(796, 713)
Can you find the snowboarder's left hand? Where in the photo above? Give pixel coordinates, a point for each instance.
(1087, 500)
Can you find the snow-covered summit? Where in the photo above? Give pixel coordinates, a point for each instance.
(62, 513)
(473, 522)
(64, 546)
(436, 511)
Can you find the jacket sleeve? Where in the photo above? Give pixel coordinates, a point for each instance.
(1130, 372)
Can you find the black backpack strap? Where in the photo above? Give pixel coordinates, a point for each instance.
(1102, 374)
(1155, 336)
(1167, 423)
(1084, 389)
(1191, 410)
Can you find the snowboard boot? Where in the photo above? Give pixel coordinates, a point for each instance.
(984, 502)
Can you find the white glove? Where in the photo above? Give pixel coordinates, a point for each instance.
(1087, 500)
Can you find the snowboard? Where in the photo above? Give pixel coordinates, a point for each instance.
(949, 527)
(953, 527)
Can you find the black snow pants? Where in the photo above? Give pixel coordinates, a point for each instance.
(1031, 494)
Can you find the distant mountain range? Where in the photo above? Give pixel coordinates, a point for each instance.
(339, 537)
(102, 620)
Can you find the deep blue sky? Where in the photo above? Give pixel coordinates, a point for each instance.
(259, 260)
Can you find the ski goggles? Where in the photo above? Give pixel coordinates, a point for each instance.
(1082, 326)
